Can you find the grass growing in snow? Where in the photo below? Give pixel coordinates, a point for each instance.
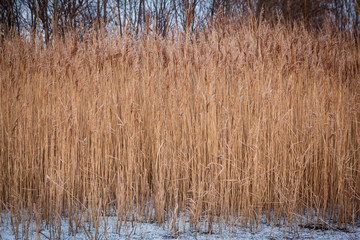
(248, 120)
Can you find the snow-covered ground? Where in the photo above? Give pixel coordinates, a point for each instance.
(136, 230)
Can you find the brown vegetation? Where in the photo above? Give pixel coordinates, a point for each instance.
(224, 127)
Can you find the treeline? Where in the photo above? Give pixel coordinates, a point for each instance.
(58, 16)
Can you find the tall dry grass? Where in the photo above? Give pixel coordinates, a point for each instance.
(222, 127)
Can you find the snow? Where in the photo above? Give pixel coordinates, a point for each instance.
(149, 230)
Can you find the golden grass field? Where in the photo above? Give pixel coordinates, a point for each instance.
(247, 120)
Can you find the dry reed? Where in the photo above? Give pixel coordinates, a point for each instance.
(221, 127)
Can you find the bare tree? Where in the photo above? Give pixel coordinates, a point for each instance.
(10, 16)
(59, 16)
